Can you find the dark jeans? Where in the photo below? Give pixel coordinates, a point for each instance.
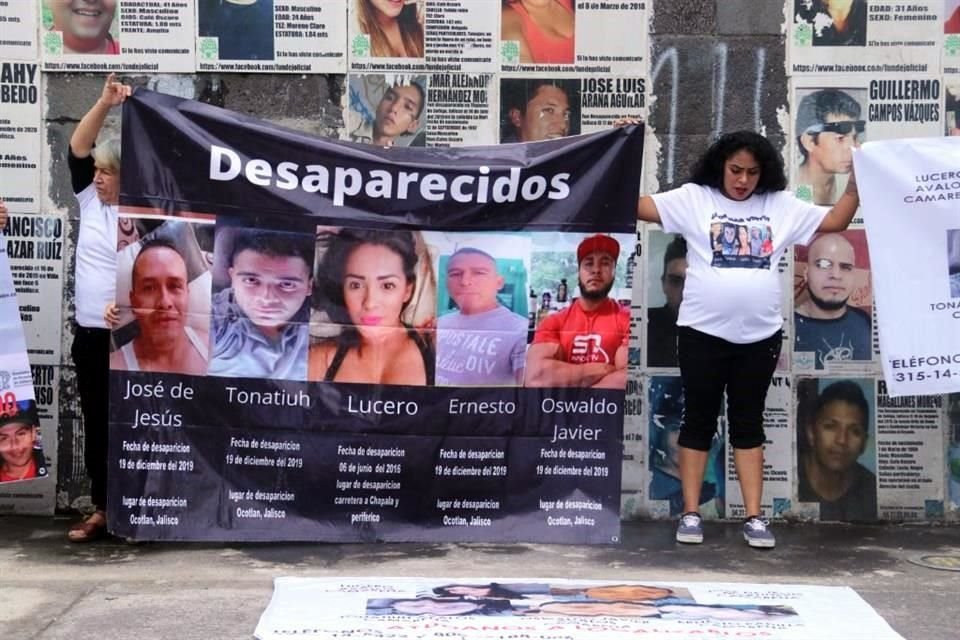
(710, 365)
(91, 356)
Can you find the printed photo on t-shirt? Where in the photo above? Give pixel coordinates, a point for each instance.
(741, 245)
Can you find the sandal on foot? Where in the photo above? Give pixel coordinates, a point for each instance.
(92, 528)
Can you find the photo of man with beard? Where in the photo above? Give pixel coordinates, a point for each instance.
(825, 324)
(585, 344)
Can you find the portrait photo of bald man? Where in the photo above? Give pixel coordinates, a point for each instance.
(833, 299)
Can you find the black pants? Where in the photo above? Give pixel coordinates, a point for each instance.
(710, 365)
(91, 355)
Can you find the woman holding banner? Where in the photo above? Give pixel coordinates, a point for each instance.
(95, 174)
(368, 279)
(729, 323)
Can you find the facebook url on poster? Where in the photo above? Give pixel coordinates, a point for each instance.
(859, 68)
(100, 66)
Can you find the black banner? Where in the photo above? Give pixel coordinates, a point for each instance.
(328, 341)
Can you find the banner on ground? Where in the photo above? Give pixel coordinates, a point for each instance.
(327, 341)
(909, 191)
(485, 609)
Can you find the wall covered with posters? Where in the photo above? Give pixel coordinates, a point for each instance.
(477, 72)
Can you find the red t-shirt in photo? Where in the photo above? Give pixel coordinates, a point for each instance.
(586, 337)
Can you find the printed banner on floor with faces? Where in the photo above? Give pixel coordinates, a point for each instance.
(909, 190)
(21, 455)
(503, 609)
(326, 341)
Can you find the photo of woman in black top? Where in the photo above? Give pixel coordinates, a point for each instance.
(366, 281)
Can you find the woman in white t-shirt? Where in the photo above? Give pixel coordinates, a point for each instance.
(95, 176)
(729, 323)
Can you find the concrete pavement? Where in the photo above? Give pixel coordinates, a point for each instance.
(52, 590)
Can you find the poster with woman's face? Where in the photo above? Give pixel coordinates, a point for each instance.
(374, 308)
(387, 35)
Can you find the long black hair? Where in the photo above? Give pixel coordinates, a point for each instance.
(332, 271)
(708, 171)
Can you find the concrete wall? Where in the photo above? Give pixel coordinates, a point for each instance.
(715, 66)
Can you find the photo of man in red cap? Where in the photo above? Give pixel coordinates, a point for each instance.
(20, 454)
(585, 344)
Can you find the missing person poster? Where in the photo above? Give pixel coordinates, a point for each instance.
(910, 456)
(22, 463)
(35, 253)
(271, 36)
(777, 457)
(542, 108)
(501, 609)
(417, 110)
(909, 189)
(327, 341)
(951, 114)
(596, 38)
(863, 36)
(390, 35)
(953, 452)
(460, 109)
(665, 404)
(634, 481)
(837, 448)
(20, 136)
(109, 35)
(951, 37)
(833, 304)
(834, 116)
(459, 35)
(388, 109)
(19, 38)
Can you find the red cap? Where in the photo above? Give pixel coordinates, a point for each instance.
(599, 242)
